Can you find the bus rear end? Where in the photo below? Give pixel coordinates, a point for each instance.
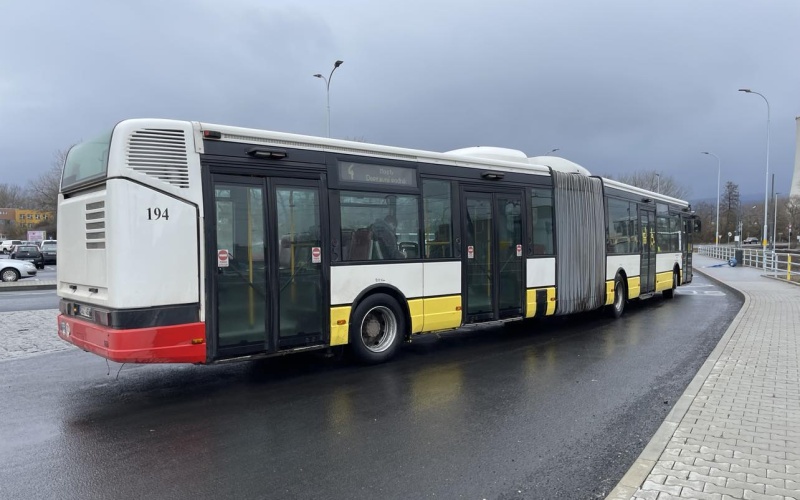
(130, 226)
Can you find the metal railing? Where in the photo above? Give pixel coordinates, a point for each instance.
(781, 265)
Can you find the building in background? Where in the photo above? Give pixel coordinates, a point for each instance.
(26, 218)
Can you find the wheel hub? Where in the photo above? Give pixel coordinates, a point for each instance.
(372, 328)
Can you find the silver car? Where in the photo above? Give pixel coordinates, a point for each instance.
(13, 270)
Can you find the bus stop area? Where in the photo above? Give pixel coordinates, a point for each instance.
(735, 432)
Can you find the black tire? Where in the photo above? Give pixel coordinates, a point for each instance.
(9, 274)
(668, 294)
(377, 328)
(617, 308)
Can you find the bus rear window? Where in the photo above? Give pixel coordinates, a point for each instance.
(86, 161)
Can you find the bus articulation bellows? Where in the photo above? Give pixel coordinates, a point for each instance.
(187, 242)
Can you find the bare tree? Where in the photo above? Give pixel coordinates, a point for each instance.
(729, 208)
(656, 181)
(12, 196)
(705, 212)
(43, 190)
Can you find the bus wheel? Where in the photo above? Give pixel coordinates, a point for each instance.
(377, 329)
(668, 294)
(616, 309)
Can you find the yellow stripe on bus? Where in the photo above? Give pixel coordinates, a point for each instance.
(442, 313)
(609, 292)
(417, 312)
(634, 287)
(530, 299)
(340, 316)
(663, 281)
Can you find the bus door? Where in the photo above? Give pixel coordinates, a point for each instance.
(686, 249)
(267, 263)
(648, 260)
(492, 256)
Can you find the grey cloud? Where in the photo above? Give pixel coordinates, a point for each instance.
(618, 86)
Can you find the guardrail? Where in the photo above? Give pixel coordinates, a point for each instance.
(785, 266)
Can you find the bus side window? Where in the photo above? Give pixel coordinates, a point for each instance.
(542, 220)
(378, 226)
(438, 219)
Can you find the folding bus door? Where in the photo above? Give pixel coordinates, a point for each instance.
(648, 258)
(494, 267)
(267, 270)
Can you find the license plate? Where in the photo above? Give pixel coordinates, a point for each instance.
(85, 312)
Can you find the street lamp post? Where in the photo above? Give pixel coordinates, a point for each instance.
(716, 233)
(658, 183)
(766, 189)
(328, 90)
(775, 224)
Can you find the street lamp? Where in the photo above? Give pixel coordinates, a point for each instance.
(328, 90)
(775, 224)
(716, 234)
(766, 189)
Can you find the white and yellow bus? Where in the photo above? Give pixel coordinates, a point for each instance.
(196, 243)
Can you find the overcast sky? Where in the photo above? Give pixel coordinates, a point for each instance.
(618, 86)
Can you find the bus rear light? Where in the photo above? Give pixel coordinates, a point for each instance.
(212, 134)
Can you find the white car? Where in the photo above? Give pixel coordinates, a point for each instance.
(13, 270)
(6, 245)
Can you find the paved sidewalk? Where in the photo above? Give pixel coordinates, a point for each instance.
(735, 432)
(27, 333)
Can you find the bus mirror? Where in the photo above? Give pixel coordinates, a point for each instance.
(696, 225)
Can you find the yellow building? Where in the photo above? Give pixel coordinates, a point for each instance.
(31, 218)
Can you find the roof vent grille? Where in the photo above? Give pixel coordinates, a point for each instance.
(161, 154)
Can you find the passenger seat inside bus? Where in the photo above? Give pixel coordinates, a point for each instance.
(361, 245)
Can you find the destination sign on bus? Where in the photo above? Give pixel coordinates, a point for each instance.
(377, 174)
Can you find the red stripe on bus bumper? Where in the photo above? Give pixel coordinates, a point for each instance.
(160, 344)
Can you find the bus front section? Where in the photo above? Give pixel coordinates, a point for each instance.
(130, 245)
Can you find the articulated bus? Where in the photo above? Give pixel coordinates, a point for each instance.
(188, 242)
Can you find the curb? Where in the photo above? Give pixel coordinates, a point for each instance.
(647, 460)
(13, 287)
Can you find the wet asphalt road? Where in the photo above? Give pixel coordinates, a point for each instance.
(28, 300)
(551, 409)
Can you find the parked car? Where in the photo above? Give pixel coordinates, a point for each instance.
(48, 248)
(31, 253)
(751, 240)
(6, 245)
(12, 270)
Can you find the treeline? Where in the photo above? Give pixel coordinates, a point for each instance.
(40, 193)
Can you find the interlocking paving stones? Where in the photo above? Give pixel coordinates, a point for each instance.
(28, 333)
(740, 435)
